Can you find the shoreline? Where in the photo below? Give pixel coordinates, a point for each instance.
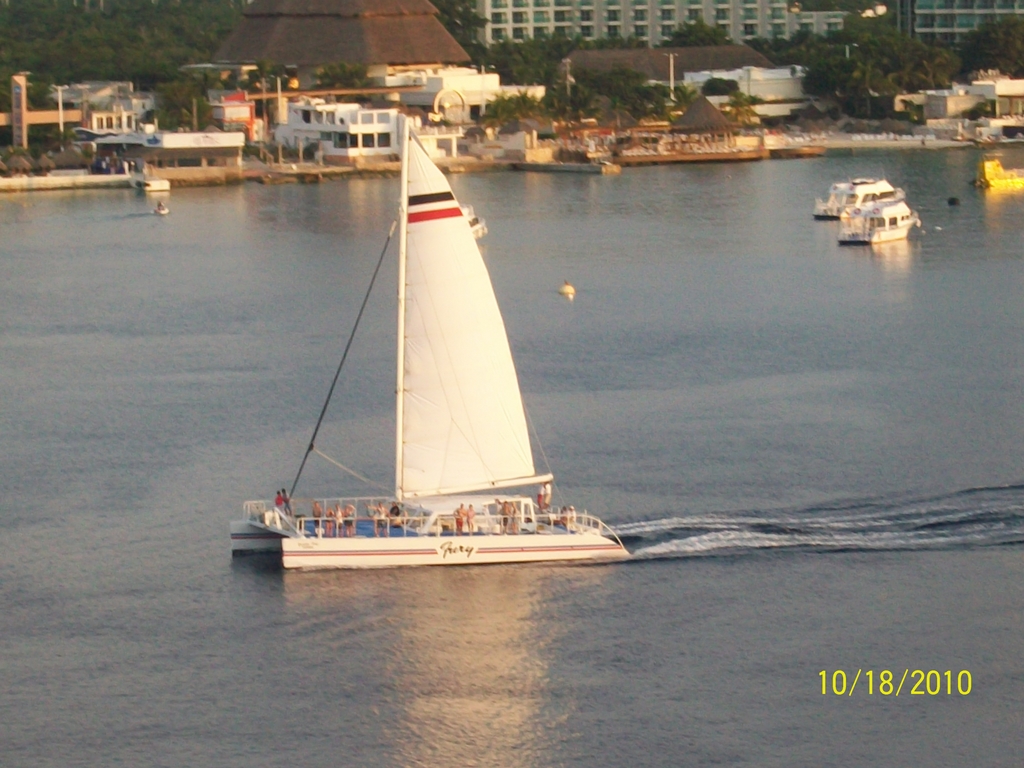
(313, 173)
(916, 142)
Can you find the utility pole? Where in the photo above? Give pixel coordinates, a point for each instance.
(671, 76)
(60, 112)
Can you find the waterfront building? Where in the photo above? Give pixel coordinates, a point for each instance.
(107, 107)
(201, 157)
(234, 111)
(1004, 95)
(455, 94)
(347, 133)
(650, 20)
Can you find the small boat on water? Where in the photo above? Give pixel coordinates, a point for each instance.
(461, 427)
(856, 193)
(883, 222)
(476, 225)
(992, 175)
(161, 209)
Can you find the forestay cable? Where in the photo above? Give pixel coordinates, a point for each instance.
(323, 412)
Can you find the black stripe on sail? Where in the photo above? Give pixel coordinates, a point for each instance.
(433, 197)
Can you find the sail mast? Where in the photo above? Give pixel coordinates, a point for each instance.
(403, 236)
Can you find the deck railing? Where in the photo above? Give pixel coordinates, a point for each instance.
(370, 516)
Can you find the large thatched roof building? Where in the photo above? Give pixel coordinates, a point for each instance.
(307, 34)
(654, 62)
(703, 117)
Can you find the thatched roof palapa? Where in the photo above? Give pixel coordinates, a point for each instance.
(69, 158)
(702, 117)
(44, 163)
(3, 168)
(19, 164)
(312, 33)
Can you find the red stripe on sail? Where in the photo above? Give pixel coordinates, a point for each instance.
(441, 213)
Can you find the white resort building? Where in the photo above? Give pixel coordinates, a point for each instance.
(346, 133)
(108, 107)
(651, 20)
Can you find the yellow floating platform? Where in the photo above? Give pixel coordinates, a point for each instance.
(992, 175)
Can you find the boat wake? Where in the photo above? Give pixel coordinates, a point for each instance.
(977, 517)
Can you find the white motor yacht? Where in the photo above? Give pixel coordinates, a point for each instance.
(476, 225)
(857, 193)
(882, 222)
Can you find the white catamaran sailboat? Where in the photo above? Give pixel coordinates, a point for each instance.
(461, 428)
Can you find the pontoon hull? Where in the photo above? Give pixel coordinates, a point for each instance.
(250, 539)
(383, 552)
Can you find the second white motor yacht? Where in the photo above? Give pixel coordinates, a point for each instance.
(856, 193)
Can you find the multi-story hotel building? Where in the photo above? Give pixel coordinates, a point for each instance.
(948, 21)
(651, 20)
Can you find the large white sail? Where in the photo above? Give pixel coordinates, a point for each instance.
(462, 422)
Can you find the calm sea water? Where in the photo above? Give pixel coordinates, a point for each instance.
(813, 452)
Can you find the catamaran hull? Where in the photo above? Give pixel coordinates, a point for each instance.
(446, 550)
(249, 539)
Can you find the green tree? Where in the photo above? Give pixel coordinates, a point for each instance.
(531, 62)
(146, 42)
(996, 45)
(572, 104)
(178, 99)
(684, 95)
(504, 109)
(741, 108)
(627, 90)
(463, 22)
(696, 33)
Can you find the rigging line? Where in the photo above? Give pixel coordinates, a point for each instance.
(540, 445)
(547, 464)
(352, 472)
(348, 346)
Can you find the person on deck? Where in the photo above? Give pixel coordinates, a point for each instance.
(380, 521)
(333, 515)
(460, 516)
(279, 499)
(470, 525)
(317, 513)
(346, 520)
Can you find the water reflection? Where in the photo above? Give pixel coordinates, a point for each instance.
(461, 649)
(897, 256)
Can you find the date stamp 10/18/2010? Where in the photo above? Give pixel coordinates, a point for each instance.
(931, 682)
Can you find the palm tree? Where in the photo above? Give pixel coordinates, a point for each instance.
(741, 108)
(504, 109)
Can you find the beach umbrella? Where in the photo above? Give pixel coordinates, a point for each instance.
(44, 163)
